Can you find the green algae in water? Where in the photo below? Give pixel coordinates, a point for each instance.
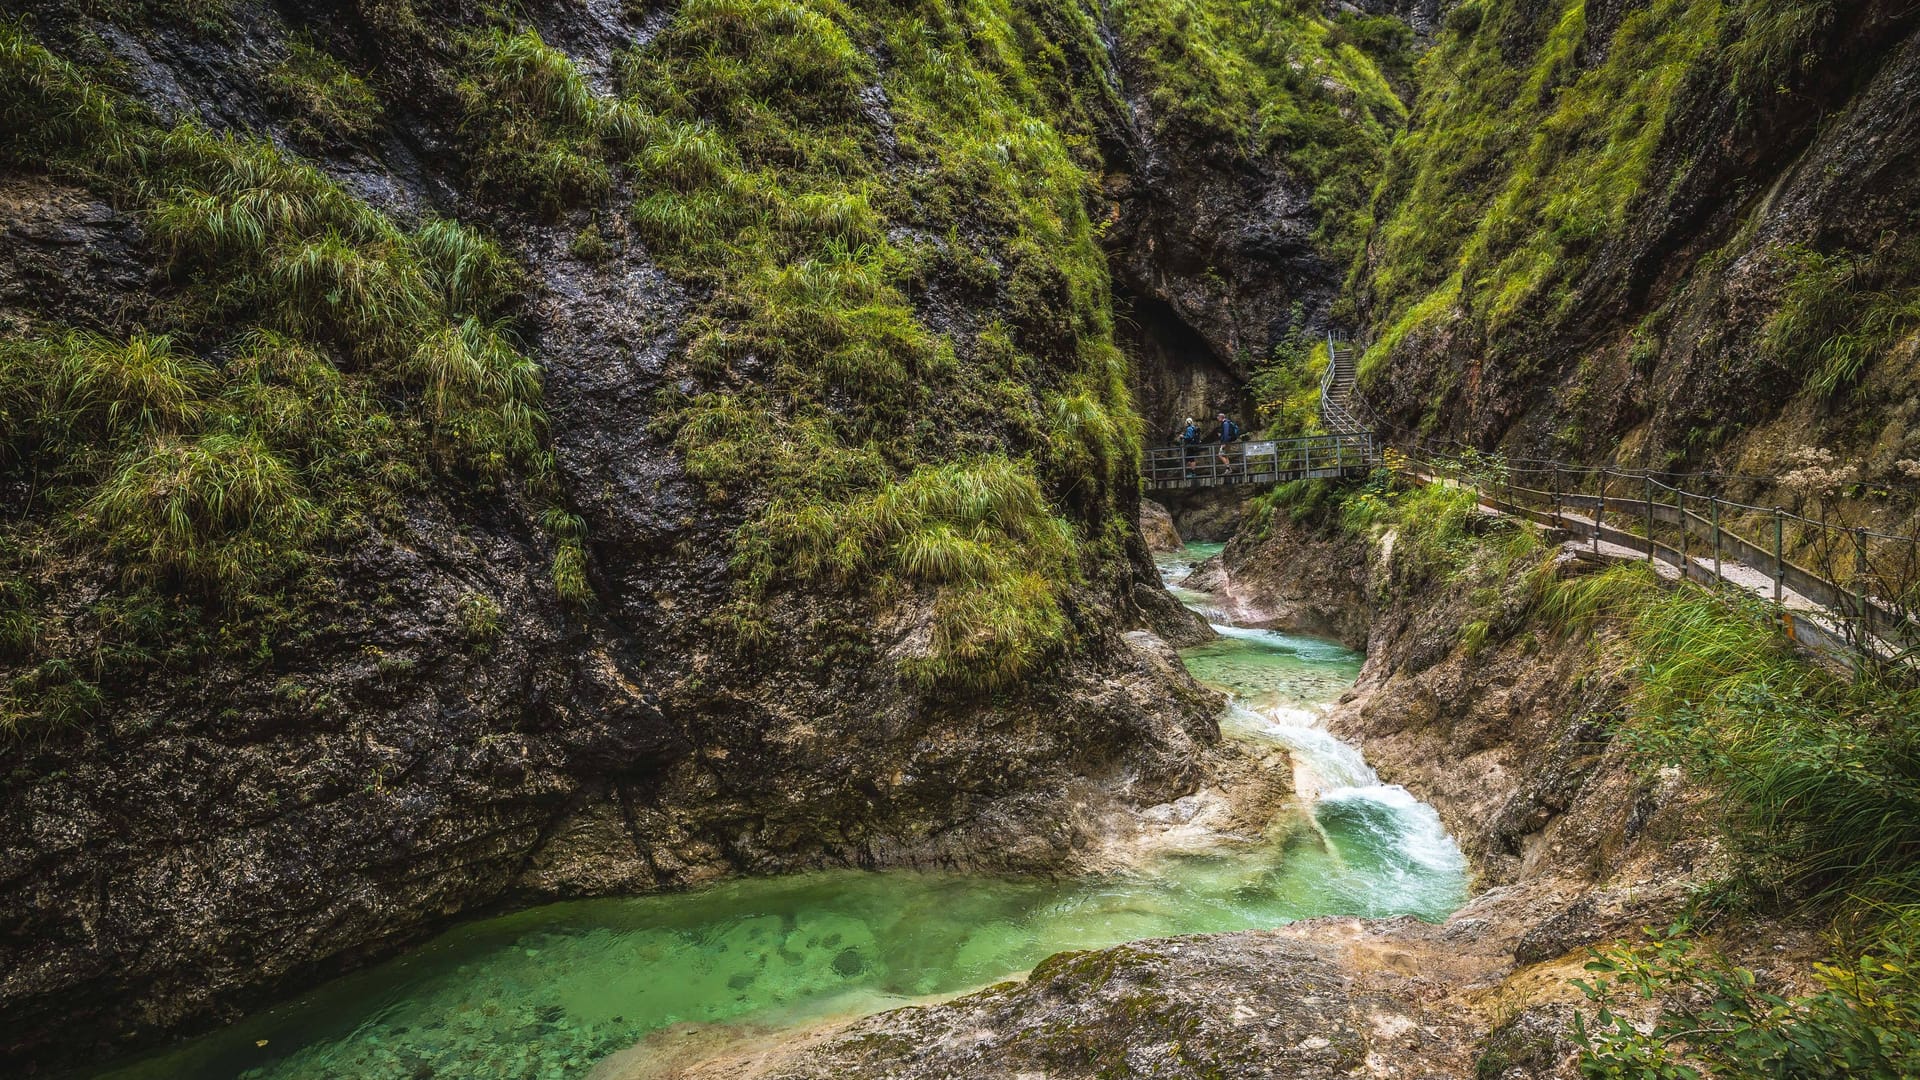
(549, 992)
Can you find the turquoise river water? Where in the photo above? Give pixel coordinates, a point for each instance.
(548, 992)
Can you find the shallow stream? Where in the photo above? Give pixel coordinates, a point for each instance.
(546, 993)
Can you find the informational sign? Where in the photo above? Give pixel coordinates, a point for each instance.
(1259, 449)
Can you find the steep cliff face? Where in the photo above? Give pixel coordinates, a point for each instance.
(1251, 136)
(1659, 234)
(743, 483)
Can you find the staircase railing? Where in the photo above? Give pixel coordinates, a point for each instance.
(1336, 386)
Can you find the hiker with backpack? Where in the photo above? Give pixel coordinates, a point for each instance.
(1229, 432)
(1189, 438)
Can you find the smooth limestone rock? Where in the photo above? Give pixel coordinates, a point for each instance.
(1156, 527)
(1256, 581)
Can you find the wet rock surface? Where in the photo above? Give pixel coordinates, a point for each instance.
(1255, 1005)
(1156, 527)
(1257, 581)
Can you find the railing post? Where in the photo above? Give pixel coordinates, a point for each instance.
(1860, 577)
(1600, 509)
(1779, 551)
(1649, 518)
(1713, 504)
(1680, 503)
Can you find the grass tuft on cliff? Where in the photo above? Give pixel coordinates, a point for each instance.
(824, 201)
(309, 355)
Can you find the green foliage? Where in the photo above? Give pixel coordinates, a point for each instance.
(215, 511)
(1715, 1019)
(1286, 387)
(350, 349)
(1840, 311)
(1821, 773)
(479, 617)
(1819, 781)
(533, 128)
(331, 106)
(1824, 775)
(980, 534)
(1613, 597)
(46, 105)
(1275, 76)
(827, 401)
(569, 532)
(1524, 155)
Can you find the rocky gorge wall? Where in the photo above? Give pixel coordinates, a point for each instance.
(533, 676)
(1719, 277)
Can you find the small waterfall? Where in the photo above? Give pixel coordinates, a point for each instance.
(1380, 827)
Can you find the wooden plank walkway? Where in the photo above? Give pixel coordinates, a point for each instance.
(1815, 610)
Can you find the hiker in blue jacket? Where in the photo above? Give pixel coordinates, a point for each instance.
(1189, 438)
(1229, 431)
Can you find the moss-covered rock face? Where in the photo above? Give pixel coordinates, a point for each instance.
(1673, 234)
(456, 458)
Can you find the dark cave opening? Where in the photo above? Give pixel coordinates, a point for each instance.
(1176, 373)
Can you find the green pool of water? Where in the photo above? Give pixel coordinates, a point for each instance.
(548, 992)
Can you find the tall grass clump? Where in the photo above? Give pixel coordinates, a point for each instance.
(1841, 311)
(1823, 769)
(217, 511)
(531, 125)
(357, 362)
(1815, 770)
(979, 535)
(47, 105)
(330, 105)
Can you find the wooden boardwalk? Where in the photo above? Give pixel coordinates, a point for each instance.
(1861, 601)
(1348, 449)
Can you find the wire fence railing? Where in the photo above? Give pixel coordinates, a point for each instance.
(1832, 583)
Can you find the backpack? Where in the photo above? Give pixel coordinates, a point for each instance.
(1192, 434)
(1229, 431)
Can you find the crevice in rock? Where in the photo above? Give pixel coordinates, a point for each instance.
(1176, 372)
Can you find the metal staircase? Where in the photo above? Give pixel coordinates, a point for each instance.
(1348, 449)
(1336, 387)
